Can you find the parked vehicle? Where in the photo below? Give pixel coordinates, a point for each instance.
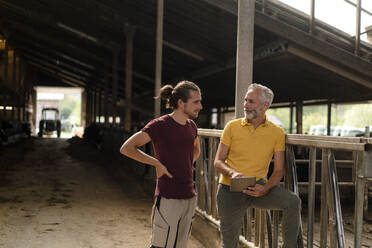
(337, 131)
(49, 122)
(351, 131)
(318, 130)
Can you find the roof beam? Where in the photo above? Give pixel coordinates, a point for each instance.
(291, 33)
(54, 61)
(182, 50)
(57, 75)
(56, 68)
(325, 63)
(263, 52)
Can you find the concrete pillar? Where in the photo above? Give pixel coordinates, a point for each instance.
(94, 104)
(357, 26)
(299, 111)
(312, 16)
(25, 102)
(88, 107)
(129, 33)
(20, 99)
(99, 105)
(34, 110)
(244, 53)
(115, 53)
(14, 78)
(6, 62)
(369, 33)
(159, 55)
(106, 101)
(264, 6)
(83, 108)
(3, 95)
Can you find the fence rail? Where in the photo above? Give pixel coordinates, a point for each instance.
(331, 225)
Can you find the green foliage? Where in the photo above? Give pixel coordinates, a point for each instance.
(313, 115)
(359, 116)
(283, 115)
(71, 108)
(353, 115)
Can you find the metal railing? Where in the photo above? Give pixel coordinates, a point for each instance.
(331, 224)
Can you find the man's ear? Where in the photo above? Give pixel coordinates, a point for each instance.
(180, 103)
(266, 105)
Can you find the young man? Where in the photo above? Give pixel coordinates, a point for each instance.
(176, 147)
(246, 149)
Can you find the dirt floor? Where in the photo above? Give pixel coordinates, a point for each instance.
(53, 196)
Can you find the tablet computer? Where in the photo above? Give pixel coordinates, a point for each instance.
(239, 183)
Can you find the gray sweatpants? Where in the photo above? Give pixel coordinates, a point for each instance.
(233, 205)
(172, 221)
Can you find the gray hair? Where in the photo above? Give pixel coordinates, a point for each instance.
(267, 95)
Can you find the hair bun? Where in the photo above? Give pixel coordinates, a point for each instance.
(166, 92)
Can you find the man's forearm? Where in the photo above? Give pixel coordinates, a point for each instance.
(223, 168)
(274, 179)
(142, 157)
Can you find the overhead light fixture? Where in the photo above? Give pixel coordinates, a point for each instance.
(75, 31)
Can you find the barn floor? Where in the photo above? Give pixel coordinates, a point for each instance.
(53, 196)
(58, 193)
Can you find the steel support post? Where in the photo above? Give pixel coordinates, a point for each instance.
(335, 205)
(311, 197)
(329, 118)
(360, 182)
(324, 202)
(299, 111)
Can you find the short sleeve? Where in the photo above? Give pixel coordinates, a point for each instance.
(280, 142)
(226, 135)
(194, 128)
(151, 129)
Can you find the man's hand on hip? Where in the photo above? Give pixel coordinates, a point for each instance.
(161, 170)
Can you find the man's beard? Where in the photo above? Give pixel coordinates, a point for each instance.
(191, 115)
(251, 114)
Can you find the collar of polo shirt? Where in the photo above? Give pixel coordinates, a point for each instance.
(245, 122)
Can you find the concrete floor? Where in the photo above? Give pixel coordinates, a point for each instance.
(53, 195)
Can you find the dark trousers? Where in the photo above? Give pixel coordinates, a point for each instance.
(233, 205)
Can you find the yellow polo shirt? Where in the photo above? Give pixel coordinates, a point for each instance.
(251, 150)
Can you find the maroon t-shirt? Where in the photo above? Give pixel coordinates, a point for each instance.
(174, 148)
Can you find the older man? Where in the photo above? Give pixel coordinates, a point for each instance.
(246, 149)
